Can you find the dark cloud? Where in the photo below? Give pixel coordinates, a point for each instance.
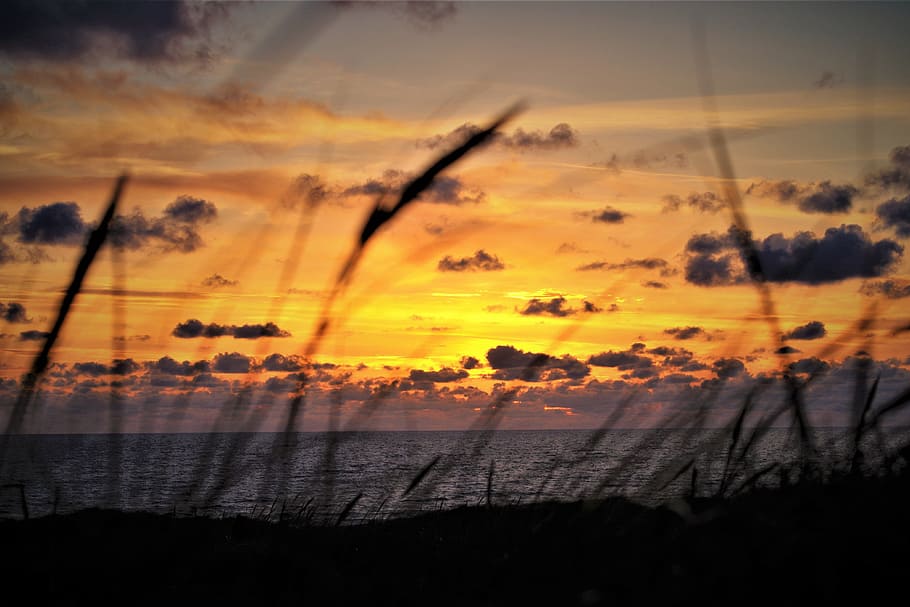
(557, 306)
(187, 209)
(151, 32)
(441, 376)
(445, 189)
(728, 368)
(469, 362)
(827, 80)
(605, 215)
(841, 253)
(624, 361)
(828, 199)
(194, 328)
(655, 284)
(683, 333)
(233, 362)
(124, 366)
(14, 313)
(897, 175)
(811, 330)
(560, 136)
(168, 366)
(891, 288)
(279, 362)
(481, 261)
(55, 223)
(590, 308)
(896, 214)
(823, 197)
(512, 363)
(554, 307)
(175, 230)
(61, 223)
(647, 263)
(706, 202)
(786, 350)
(216, 281)
(811, 366)
(91, 369)
(256, 331)
(33, 335)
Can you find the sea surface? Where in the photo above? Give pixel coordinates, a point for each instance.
(371, 475)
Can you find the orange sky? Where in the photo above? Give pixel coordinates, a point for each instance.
(594, 221)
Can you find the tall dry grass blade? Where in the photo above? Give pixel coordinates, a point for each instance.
(39, 365)
(860, 423)
(421, 475)
(347, 509)
(734, 438)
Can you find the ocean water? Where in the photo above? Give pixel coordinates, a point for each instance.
(369, 473)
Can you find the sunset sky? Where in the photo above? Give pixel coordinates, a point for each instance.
(594, 228)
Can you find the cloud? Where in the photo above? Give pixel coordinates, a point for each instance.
(279, 362)
(811, 330)
(175, 230)
(481, 261)
(828, 199)
(33, 335)
(896, 214)
(647, 263)
(143, 32)
(556, 306)
(654, 284)
(811, 366)
(168, 366)
(841, 253)
(643, 161)
(14, 313)
(897, 175)
(786, 350)
(606, 215)
(683, 333)
(827, 80)
(187, 209)
(308, 189)
(55, 223)
(142, 337)
(560, 136)
(891, 288)
(428, 14)
(445, 189)
(570, 247)
(92, 369)
(233, 362)
(624, 361)
(194, 328)
(511, 363)
(823, 197)
(443, 375)
(706, 202)
(728, 368)
(216, 281)
(469, 362)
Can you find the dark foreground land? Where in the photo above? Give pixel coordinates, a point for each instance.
(844, 541)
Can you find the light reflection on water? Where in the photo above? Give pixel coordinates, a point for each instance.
(231, 473)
